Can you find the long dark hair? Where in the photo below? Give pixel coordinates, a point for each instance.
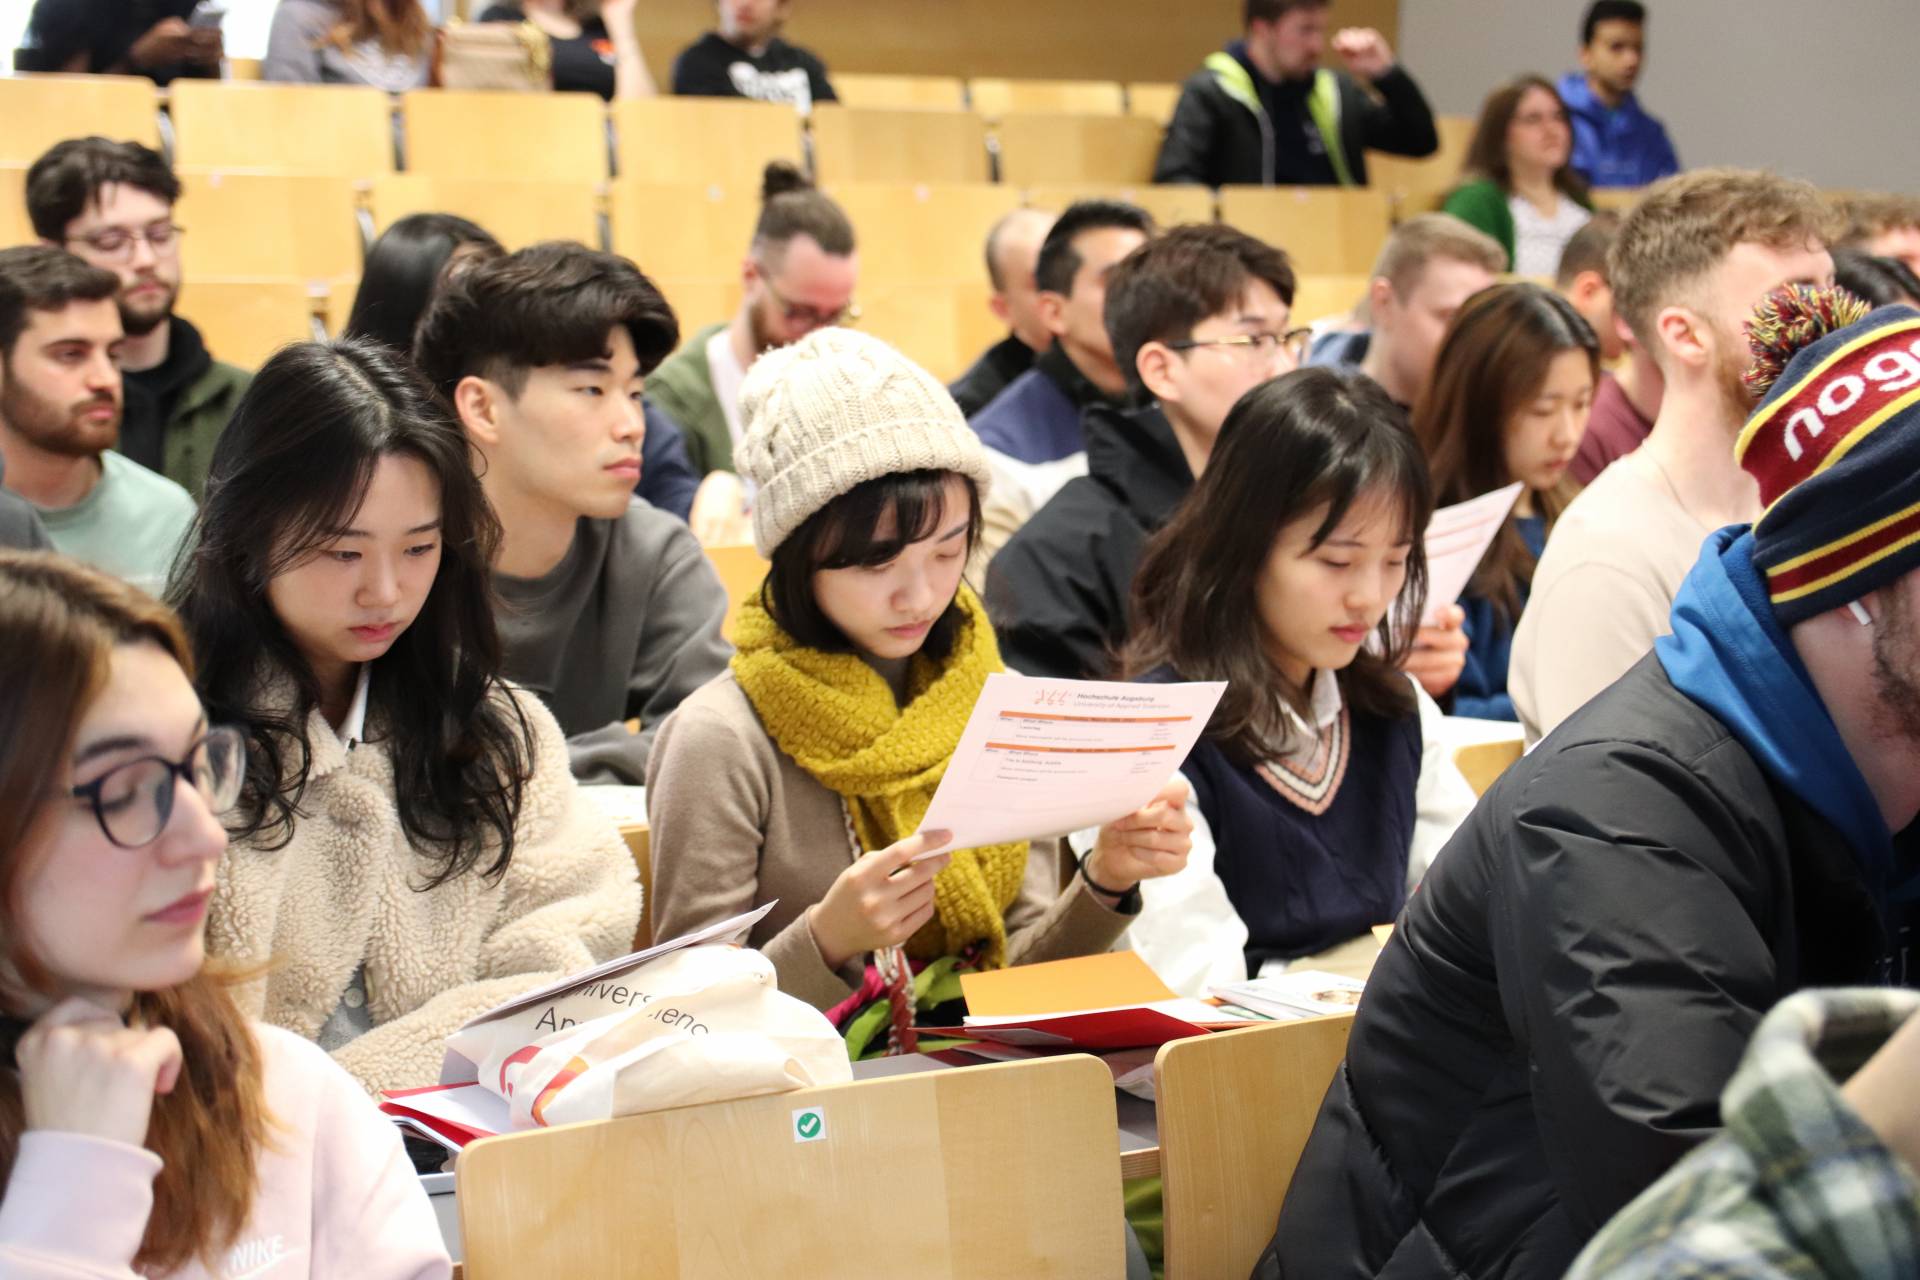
(404, 269)
(1492, 361)
(291, 469)
(1487, 152)
(1315, 437)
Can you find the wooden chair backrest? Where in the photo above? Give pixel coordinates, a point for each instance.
(41, 110)
(1235, 1109)
(342, 130)
(916, 231)
(1153, 99)
(476, 134)
(245, 321)
(996, 98)
(516, 212)
(242, 225)
(1075, 148)
(1482, 763)
(946, 93)
(851, 144)
(1169, 205)
(703, 140)
(1336, 230)
(741, 571)
(1008, 1169)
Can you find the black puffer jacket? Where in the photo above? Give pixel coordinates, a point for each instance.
(1563, 999)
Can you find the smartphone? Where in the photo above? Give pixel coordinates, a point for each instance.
(207, 15)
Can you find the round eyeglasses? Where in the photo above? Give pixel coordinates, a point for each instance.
(133, 801)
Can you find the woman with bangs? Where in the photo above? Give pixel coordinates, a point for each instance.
(802, 773)
(146, 1128)
(1294, 572)
(410, 848)
(1511, 393)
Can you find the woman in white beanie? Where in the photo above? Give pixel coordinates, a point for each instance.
(795, 776)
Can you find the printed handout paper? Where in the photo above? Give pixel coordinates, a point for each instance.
(1457, 540)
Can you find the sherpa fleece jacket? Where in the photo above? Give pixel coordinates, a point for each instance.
(342, 893)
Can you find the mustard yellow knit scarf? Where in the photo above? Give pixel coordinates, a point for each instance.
(836, 717)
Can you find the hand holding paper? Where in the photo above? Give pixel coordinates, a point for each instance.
(1147, 843)
(880, 900)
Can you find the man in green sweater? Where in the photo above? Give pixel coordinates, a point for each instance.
(607, 608)
(800, 274)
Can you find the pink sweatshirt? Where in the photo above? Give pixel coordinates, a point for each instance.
(337, 1196)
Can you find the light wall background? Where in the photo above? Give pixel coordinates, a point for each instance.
(1827, 92)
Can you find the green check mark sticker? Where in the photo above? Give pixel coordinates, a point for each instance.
(809, 1124)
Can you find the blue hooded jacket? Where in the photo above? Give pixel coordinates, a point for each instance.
(1615, 146)
(1728, 654)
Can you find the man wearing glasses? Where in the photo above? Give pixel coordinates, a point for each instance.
(798, 276)
(111, 204)
(1198, 317)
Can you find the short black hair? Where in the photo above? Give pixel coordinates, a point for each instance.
(1611, 11)
(1586, 249)
(842, 535)
(39, 277)
(1161, 290)
(1274, 10)
(1878, 282)
(68, 178)
(1059, 262)
(548, 304)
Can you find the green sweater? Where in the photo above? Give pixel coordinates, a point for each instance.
(1483, 205)
(683, 386)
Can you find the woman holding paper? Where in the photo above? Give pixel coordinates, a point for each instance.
(145, 1127)
(410, 848)
(1291, 572)
(1508, 403)
(802, 773)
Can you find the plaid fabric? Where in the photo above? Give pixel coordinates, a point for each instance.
(1797, 1186)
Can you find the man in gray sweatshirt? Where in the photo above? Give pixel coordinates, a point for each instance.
(608, 609)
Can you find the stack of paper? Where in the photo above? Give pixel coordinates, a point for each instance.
(1089, 1004)
(1305, 993)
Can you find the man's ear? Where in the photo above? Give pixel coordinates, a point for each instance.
(1682, 332)
(1586, 286)
(477, 402)
(749, 273)
(1154, 363)
(998, 305)
(1053, 311)
(1380, 299)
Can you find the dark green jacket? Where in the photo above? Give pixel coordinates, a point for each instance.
(683, 386)
(1483, 205)
(199, 416)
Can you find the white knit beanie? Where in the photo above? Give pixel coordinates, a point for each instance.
(834, 410)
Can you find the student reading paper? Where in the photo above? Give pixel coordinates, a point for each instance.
(800, 773)
(1323, 787)
(409, 848)
(146, 1128)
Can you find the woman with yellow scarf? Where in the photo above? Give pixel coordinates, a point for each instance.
(797, 776)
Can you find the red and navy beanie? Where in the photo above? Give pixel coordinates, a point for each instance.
(1835, 445)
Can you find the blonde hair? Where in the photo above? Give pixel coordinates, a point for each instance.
(1685, 226)
(1874, 213)
(1421, 239)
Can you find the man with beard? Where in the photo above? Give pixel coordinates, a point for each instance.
(112, 204)
(1687, 266)
(799, 275)
(1553, 1021)
(60, 345)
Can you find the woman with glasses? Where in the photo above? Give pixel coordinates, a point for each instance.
(1292, 572)
(145, 1126)
(1517, 185)
(409, 846)
(1509, 401)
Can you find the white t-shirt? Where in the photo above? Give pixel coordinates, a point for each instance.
(1538, 241)
(727, 373)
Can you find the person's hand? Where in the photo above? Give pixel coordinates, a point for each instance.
(1144, 845)
(167, 41)
(1439, 652)
(618, 13)
(83, 1071)
(1365, 51)
(719, 514)
(208, 46)
(879, 901)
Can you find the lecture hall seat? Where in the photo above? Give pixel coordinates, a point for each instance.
(853, 144)
(946, 93)
(1076, 148)
(911, 231)
(1418, 186)
(474, 134)
(722, 140)
(267, 226)
(41, 110)
(996, 98)
(518, 213)
(246, 320)
(1333, 230)
(1153, 100)
(341, 130)
(685, 230)
(1170, 205)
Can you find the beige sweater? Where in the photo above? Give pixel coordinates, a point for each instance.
(342, 894)
(736, 823)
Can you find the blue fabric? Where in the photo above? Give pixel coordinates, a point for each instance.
(1615, 146)
(1728, 654)
(1482, 688)
(667, 478)
(1032, 420)
(1339, 348)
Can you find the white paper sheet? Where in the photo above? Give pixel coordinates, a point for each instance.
(1457, 539)
(1042, 757)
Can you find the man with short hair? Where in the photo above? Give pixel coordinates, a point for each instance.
(1886, 226)
(1553, 1020)
(60, 417)
(746, 58)
(1429, 266)
(1627, 398)
(1037, 418)
(608, 609)
(1013, 258)
(111, 203)
(1688, 265)
(1265, 112)
(1199, 317)
(1615, 142)
(799, 275)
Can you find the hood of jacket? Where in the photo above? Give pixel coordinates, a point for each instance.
(1578, 96)
(1729, 655)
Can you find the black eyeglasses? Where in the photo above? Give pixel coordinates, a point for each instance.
(133, 802)
(1293, 342)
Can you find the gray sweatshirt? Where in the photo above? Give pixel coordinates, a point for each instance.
(20, 526)
(624, 627)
